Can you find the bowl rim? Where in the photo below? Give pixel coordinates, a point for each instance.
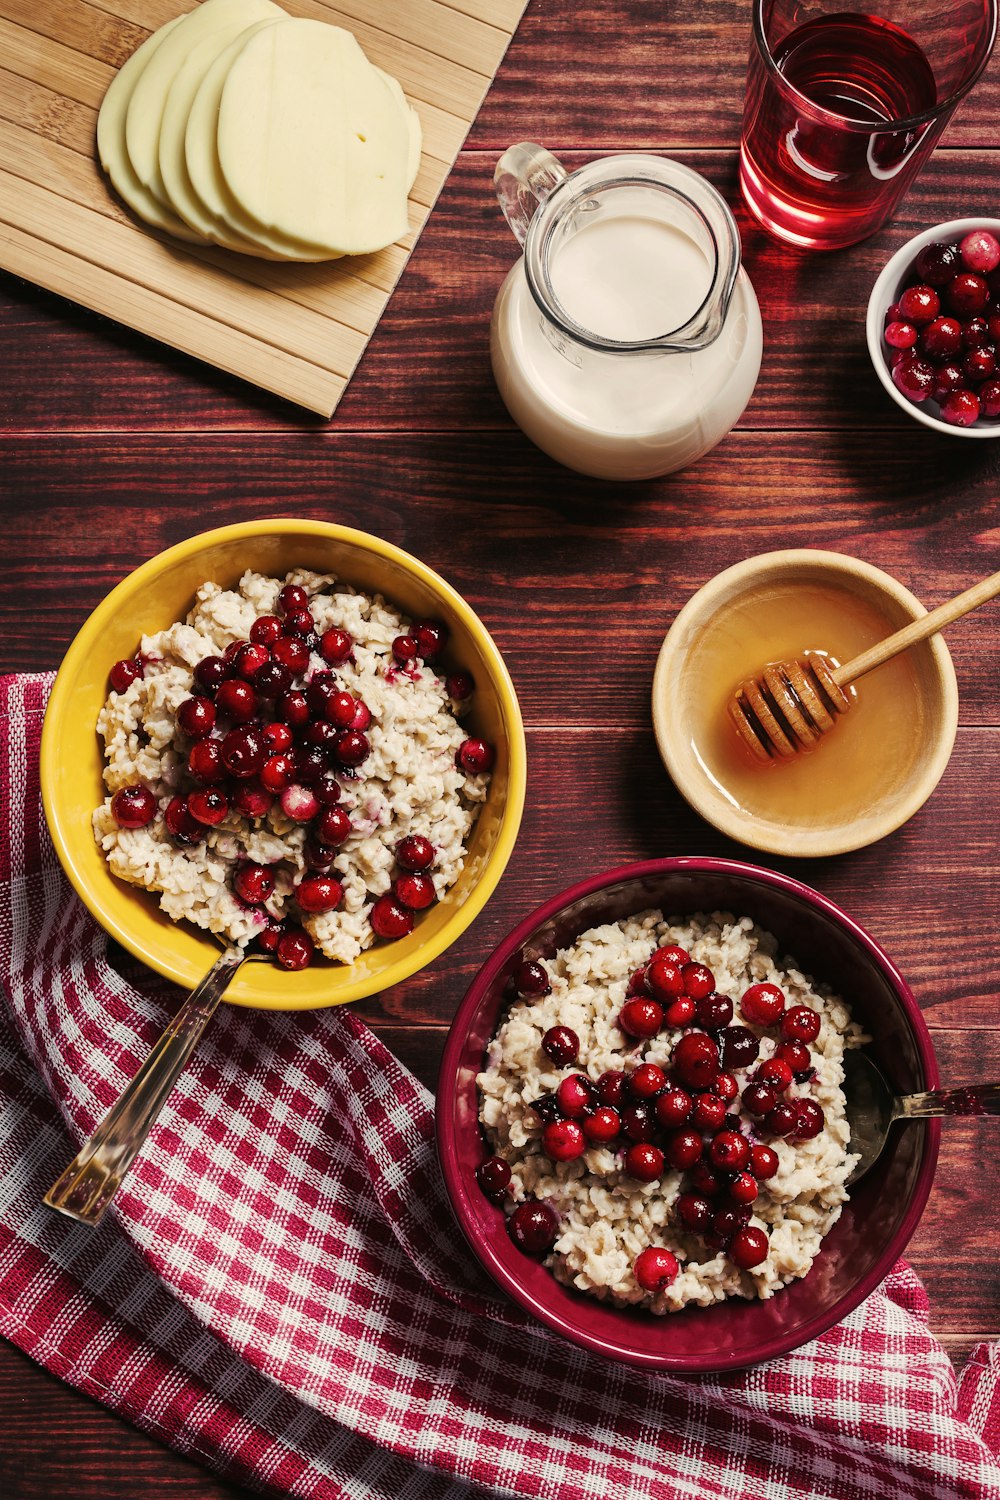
(883, 294)
(720, 814)
(126, 590)
(460, 1191)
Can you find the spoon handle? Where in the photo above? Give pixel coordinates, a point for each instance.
(95, 1174)
(918, 630)
(977, 1099)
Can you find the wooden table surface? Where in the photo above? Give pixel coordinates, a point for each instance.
(114, 447)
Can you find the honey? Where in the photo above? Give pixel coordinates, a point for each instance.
(870, 754)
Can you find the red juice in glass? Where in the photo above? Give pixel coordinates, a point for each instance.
(843, 108)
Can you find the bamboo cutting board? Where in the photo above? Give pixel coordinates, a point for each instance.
(297, 330)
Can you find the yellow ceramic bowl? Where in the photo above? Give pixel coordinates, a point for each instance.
(160, 592)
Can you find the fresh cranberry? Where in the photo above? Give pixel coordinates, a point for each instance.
(664, 979)
(919, 304)
(900, 335)
(254, 883)
(655, 1268)
(414, 852)
(230, 654)
(674, 953)
(683, 1148)
(493, 1176)
(979, 331)
(783, 1118)
(251, 799)
(708, 1112)
(641, 1018)
(299, 622)
(610, 1087)
(673, 1107)
(319, 734)
(292, 597)
(989, 399)
(775, 1073)
(404, 649)
(210, 673)
(980, 251)
(800, 1024)
(602, 1125)
(352, 747)
(415, 891)
(562, 1045)
(265, 630)
(295, 949)
(762, 1004)
(299, 803)
(795, 1054)
(333, 826)
(431, 637)
(310, 763)
(764, 1162)
(680, 1012)
(563, 1140)
(319, 893)
(460, 686)
(947, 378)
(533, 1227)
(714, 1011)
(292, 652)
(739, 1047)
(699, 980)
(637, 982)
(937, 263)
(272, 680)
(729, 1221)
(743, 1187)
(236, 699)
(726, 1087)
(319, 856)
(644, 1162)
(704, 1180)
(244, 750)
(547, 1107)
(475, 757)
(319, 689)
(269, 937)
(277, 772)
(327, 789)
(960, 408)
(811, 1120)
(728, 1151)
(180, 823)
(208, 806)
(914, 377)
(639, 1121)
(292, 709)
(362, 715)
(966, 294)
(576, 1094)
(531, 979)
(981, 364)
(696, 1060)
(340, 709)
(133, 806)
(694, 1211)
(389, 919)
(646, 1081)
(748, 1248)
(336, 646)
(123, 674)
(249, 660)
(759, 1098)
(942, 338)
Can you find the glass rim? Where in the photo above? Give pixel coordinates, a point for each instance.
(940, 110)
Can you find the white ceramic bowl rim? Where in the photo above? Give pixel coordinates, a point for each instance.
(884, 294)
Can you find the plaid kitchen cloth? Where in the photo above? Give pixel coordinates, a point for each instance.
(281, 1292)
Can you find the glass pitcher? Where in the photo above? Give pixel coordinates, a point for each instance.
(627, 340)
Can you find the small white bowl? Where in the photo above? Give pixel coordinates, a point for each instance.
(886, 291)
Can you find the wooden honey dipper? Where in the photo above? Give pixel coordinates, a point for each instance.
(790, 705)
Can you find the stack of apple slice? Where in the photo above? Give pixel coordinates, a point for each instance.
(240, 126)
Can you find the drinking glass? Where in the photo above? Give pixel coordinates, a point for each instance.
(843, 108)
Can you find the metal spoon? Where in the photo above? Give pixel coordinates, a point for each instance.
(872, 1107)
(96, 1173)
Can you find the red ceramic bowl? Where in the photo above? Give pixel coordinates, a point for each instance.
(883, 1210)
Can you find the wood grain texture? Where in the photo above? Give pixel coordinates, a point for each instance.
(112, 447)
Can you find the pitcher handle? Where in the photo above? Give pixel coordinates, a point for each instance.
(525, 176)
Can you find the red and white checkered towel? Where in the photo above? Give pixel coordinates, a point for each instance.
(281, 1291)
